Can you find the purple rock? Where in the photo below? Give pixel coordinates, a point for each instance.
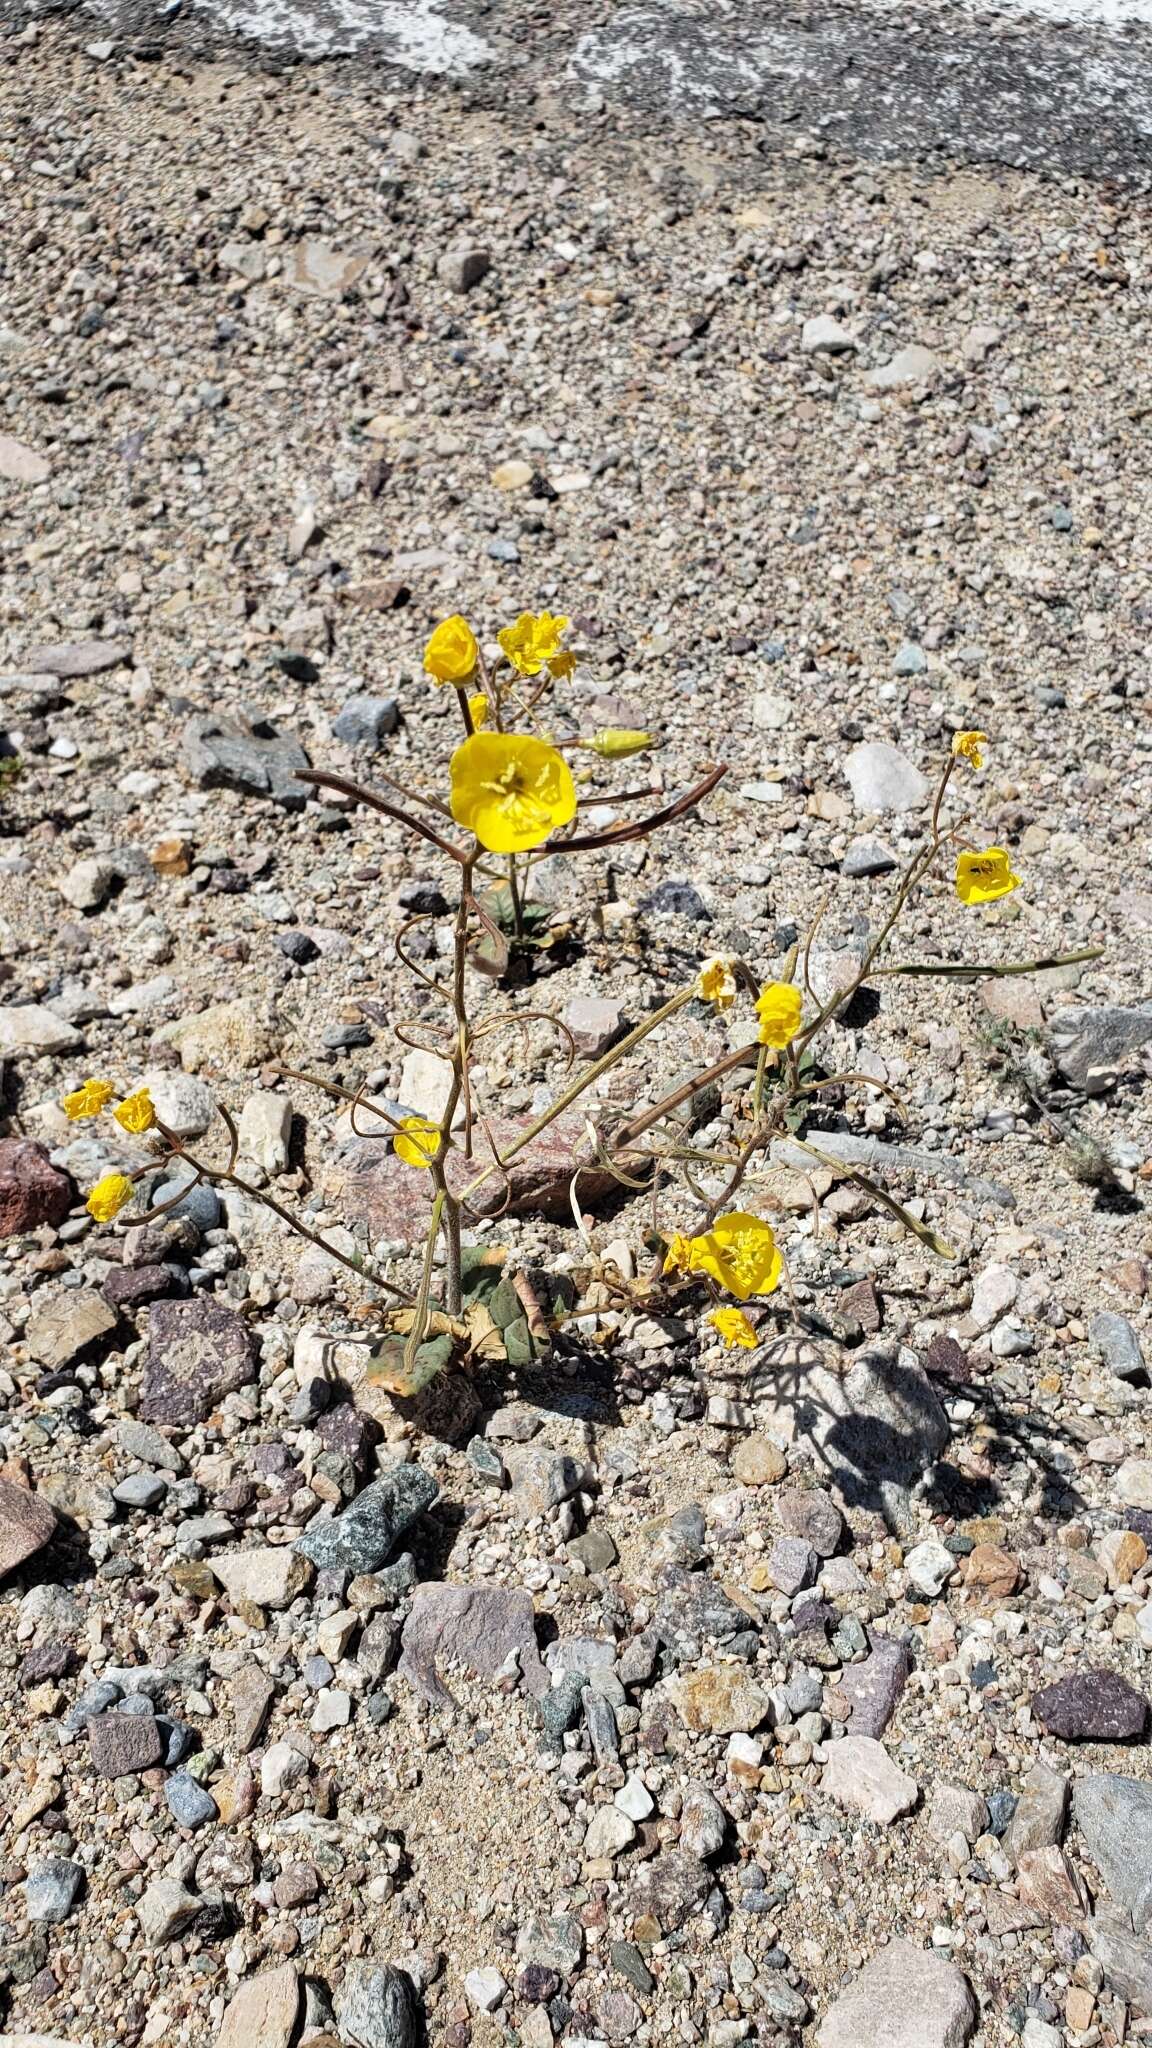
(124, 1743)
(198, 1351)
(873, 1687)
(813, 1515)
(1092, 1706)
(793, 1564)
(129, 1286)
(475, 1626)
(32, 1190)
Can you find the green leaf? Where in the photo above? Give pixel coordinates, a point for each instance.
(386, 1367)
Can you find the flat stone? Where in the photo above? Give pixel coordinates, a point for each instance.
(812, 1514)
(366, 721)
(873, 1687)
(823, 335)
(669, 1890)
(271, 1576)
(198, 1351)
(319, 271)
(994, 1291)
(859, 1774)
(595, 1023)
(1117, 1344)
(188, 1802)
(477, 1627)
(122, 1744)
(1126, 1962)
(609, 1833)
(141, 1441)
(225, 1038)
(27, 1523)
(20, 464)
(165, 1910)
(1038, 1821)
(720, 1699)
(33, 1192)
(1114, 1816)
(185, 1104)
(912, 365)
(877, 1431)
(956, 1810)
(68, 1327)
(88, 883)
(1046, 1881)
(1103, 1036)
(792, 1565)
(263, 2012)
(281, 1766)
(463, 267)
(51, 1890)
(71, 658)
(255, 759)
(1132, 1485)
(883, 779)
(32, 1028)
(252, 1693)
(1092, 1706)
(361, 1538)
(867, 856)
(265, 1129)
(906, 1997)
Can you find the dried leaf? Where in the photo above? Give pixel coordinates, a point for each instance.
(387, 1368)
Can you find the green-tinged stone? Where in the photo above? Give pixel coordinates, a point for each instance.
(559, 1709)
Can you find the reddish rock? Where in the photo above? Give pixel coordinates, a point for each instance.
(27, 1523)
(368, 1181)
(32, 1190)
(198, 1351)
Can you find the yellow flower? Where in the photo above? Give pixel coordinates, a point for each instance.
(778, 1007)
(420, 1144)
(562, 664)
(740, 1253)
(87, 1100)
(478, 706)
(716, 982)
(534, 640)
(732, 1324)
(678, 1258)
(984, 877)
(616, 742)
(452, 654)
(109, 1196)
(966, 747)
(136, 1113)
(510, 790)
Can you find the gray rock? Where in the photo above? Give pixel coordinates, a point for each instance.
(376, 2007)
(254, 758)
(906, 1997)
(601, 1724)
(31, 1028)
(956, 1809)
(70, 658)
(141, 1441)
(1106, 1036)
(910, 660)
(68, 1327)
(360, 1539)
(165, 1910)
(703, 1821)
(813, 1514)
(1126, 1962)
(1114, 1815)
(365, 721)
(199, 1205)
(1038, 1822)
(140, 1490)
(463, 268)
(873, 1687)
(479, 1627)
(692, 1609)
(88, 883)
(269, 1576)
(884, 779)
(51, 1890)
(552, 1941)
(95, 1699)
(793, 1565)
(1117, 1343)
(542, 1478)
(823, 335)
(198, 1351)
(912, 365)
(867, 856)
(189, 1802)
(669, 1889)
(877, 1431)
(875, 1156)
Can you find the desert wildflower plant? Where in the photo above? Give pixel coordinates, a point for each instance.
(509, 797)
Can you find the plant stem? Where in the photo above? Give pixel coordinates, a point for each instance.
(517, 903)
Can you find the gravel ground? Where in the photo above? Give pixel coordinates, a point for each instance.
(290, 369)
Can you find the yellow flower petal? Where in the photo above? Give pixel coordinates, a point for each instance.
(87, 1100)
(716, 982)
(678, 1258)
(966, 746)
(136, 1113)
(732, 1324)
(478, 706)
(534, 640)
(985, 877)
(511, 790)
(109, 1196)
(452, 654)
(740, 1254)
(421, 1142)
(779, 1006)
